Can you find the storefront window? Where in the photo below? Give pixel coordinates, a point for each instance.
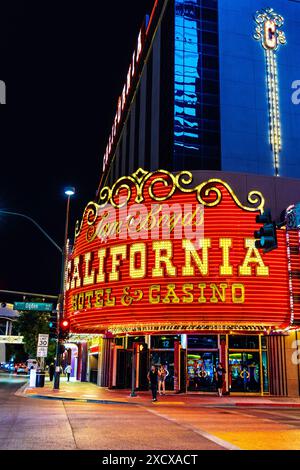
(119, 341)
(165, 358)
(201, 367)
(203, 342)
(134, 339)
(263, 342)
(163, 342)
(244, 372)
(243, 342)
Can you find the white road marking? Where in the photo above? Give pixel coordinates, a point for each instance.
(206, 435)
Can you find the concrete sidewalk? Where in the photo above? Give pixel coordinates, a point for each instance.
(90, 393)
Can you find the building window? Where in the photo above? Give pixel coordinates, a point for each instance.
(163, 342)
(243, 342)
(203, 342)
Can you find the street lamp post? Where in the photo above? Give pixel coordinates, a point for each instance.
(24, 216)
(69, 192)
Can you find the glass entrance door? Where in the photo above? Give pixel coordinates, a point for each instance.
(201, 367)
(244, 372)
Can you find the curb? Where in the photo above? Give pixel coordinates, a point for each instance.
(21, 392)
(80, 400)
(268, 405)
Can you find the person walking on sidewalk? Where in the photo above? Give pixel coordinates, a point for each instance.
(68, 371)
(162, 375)
(220, 375)
(152, 378)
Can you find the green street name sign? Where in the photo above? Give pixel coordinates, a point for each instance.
(33, 306)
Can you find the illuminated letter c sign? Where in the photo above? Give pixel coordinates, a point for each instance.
(270, 35)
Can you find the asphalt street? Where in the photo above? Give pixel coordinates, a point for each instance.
(34, 424)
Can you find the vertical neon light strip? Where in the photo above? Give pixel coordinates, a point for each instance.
(288, 248)
(268, 32)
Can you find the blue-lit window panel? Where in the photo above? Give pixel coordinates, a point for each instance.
(179, 79)
(179, 35)
(179, 58)
(189, 36)
(192, 135)
(179, 101)
(190, 145)
(190, 48)
(188, 24)
(191, 58)
(179, 45)
(190, 98)
(179, 91)
(179, 110)
(188, 45)
(179, 121)
(178, 69)
(191, 72)
(179, 21)
(189, 111)
(188, 81)
(178, 129)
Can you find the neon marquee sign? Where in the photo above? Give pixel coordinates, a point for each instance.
(219, 279)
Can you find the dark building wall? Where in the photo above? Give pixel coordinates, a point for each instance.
(279, 193)
(146, 139)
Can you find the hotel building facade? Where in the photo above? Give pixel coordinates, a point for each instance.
(164, 268)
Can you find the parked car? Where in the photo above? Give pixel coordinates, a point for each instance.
(21, 368)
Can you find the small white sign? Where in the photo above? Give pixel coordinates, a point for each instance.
(42, 352)
(43, 341)
(42, 349)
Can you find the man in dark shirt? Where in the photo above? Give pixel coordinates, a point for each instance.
(152, 377)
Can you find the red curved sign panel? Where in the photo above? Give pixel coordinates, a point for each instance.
(174, 257)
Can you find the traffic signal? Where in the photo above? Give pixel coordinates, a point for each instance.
(52, 322)
(266, 237)
(64, 328)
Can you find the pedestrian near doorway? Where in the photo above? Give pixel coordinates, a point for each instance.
(220, 375)
(152, 378)
(68, 371)
(162, 375)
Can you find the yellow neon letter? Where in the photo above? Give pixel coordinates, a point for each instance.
(191, 252)
(137, 273)
(226, 268)
(215, 290)
(76, 280)
(88, 278)
(238, 299)
(101, 274)
(158, 247)
(253, 256)
(116, 251)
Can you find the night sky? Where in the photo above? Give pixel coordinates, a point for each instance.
(64, 64)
